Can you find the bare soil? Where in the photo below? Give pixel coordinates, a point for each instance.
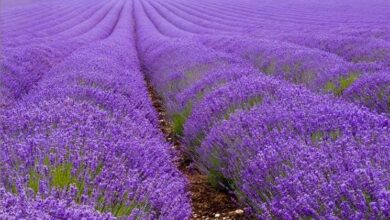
(207, 202)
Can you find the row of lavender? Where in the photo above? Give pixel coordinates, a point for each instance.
(78, 134)
(285, 151)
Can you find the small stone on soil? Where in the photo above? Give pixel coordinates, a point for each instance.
(239, 211)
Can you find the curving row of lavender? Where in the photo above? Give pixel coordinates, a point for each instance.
(327, 61)
(249, 100)
(79, 138)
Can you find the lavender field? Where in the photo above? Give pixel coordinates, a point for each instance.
(109, 109)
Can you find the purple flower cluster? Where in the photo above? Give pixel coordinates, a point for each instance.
(301, 150)
(20, 206)
(371, 90)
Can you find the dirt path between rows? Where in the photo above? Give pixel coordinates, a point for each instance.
(207, 202)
